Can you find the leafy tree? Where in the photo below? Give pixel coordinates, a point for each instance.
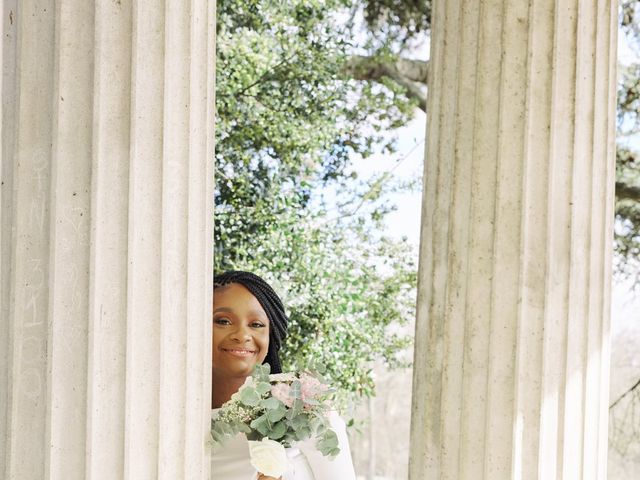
(289, 121)
(297, 99)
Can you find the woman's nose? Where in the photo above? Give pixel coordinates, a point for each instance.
(241, 334)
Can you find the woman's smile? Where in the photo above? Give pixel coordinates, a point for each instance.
(237, 352)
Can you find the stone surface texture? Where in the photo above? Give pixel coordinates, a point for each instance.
(106, 228)
(512, 337)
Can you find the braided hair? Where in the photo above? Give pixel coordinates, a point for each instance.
(271, 304)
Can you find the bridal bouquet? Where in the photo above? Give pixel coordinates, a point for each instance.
(274, 411)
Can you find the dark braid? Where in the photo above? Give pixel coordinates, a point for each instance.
(271, 304)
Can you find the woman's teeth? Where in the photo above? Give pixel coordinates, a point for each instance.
(239, 353)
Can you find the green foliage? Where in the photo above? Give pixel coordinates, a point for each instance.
(627, 227)
(288, 124)
(629, 100)
(398, 20)
(344, 291)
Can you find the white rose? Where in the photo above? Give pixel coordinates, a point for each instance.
(268, 457)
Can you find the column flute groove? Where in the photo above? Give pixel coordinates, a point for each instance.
(109, 241)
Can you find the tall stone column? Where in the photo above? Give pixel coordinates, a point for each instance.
(106, 233)
(512, 335)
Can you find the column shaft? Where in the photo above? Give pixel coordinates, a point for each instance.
(511, 360)
(106, 231)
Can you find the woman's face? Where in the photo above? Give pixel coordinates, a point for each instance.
(240, 331)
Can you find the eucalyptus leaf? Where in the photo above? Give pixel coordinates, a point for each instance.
(329, 440)
(272, 403)
(249, 397)
(261, 424)
(277, 431)
(303, 433)
(297, 406)
(263, 387)
(242, 427)
(276, 415)
(296, 390)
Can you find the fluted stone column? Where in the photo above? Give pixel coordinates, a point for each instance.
(512, 335)
(106, 233)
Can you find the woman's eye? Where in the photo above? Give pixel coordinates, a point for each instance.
(257, 325)
(222, 321)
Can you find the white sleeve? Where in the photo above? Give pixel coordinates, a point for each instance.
(324, 468)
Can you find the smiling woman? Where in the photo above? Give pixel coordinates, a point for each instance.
(249, 325)
(240, 339)
(249, 297)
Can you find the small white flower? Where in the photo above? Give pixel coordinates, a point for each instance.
(282, 377)
(268, 457)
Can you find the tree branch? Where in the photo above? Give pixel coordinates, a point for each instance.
(627, 192)
(264, 74)
(375, 187)
(371, 68)
(410, 74)
(636, 385)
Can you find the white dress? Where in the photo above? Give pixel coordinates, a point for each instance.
(231, 462)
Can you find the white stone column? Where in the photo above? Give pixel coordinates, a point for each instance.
(106, 231)
(512, 335)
